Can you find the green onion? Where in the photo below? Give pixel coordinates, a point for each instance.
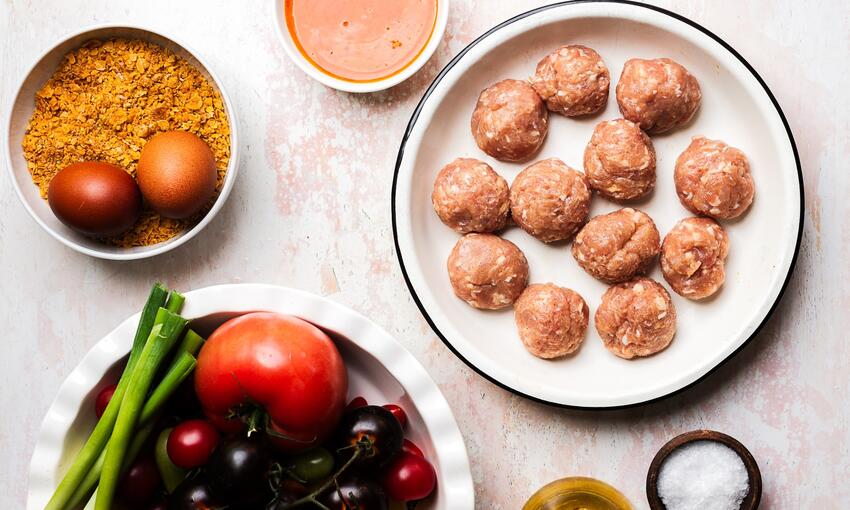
(179, 371)
(175, 302)
(103, 429)
(161, 340)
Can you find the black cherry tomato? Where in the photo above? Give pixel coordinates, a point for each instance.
(141, 481)
(355, 493)
(374, 431)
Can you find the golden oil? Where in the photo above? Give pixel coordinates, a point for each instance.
(577, 493)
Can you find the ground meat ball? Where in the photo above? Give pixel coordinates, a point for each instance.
(713, 179)
(657, 94)
(550, 200)
(619, 161)
(693, 257)
(551, 320)
(615, 247)
(470, 197)
(510, 121)
(572, 80)
(636, 318)
(487, 271)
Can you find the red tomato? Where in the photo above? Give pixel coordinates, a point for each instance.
(409, 446)
(287, 366)
(356, 403)
(103, 399)
(191, 443)
(409, 478)
(398, 412)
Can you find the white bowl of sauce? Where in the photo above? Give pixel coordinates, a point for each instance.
(361, 45)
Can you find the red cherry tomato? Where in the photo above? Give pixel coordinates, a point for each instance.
(356, 403)
(409, 446)
(398, 412)
(103, 399)
(141, 482)
(409, 478)
(286, 366)
(191, 443)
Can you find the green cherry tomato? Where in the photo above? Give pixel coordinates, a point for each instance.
(172, 475)
(312, 465)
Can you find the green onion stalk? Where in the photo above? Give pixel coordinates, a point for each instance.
(162, 338)
(89, 453)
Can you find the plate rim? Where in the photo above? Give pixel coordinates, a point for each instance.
(455, 474)
(448, 67)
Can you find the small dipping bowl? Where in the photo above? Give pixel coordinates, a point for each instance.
(21, 109)
(577, 492)
(360, 86)
(750, 502)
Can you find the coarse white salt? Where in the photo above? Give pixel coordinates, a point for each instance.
(703, 475)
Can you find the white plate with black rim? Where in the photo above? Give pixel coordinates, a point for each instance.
(379, 369)
(737, 107)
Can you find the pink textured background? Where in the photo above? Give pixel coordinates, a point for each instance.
(311, 210)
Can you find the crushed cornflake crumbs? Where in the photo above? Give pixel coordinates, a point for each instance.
(105, 101)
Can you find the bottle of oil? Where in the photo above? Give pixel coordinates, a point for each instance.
(577, 493)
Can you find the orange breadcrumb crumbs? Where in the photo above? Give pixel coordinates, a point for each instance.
(105, 101)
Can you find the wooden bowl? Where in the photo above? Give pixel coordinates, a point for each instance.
(751, 501)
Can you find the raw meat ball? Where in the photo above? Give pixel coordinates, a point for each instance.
(713, 179)
(470, 197)
(693, 257)
(572, 80)
(615, 247)
(551, 320)
(487, 271)
(550, 200)
(510, 121)
(657, 94)
(636, 318)
(619, 161)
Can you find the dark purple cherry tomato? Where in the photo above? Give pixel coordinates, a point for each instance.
(374, 431)
(141, 481)
(191, 443)
(193, 494)
(103, 399)
(409, 478)
(355, 493)
(239, 470)
(398, 412)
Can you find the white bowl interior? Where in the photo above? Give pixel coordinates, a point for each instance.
(379, 369)
(735, 108)
(360, 87)
(21, 111)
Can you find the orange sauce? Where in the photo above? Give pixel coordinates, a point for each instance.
(361, 40)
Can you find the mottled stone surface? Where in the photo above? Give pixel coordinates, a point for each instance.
(311, 210)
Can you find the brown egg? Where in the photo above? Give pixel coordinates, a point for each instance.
(176, 174)
(95, 198)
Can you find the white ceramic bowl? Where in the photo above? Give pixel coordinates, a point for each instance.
(737, 107)
(21, 109)
(379, 368)
(360, 87)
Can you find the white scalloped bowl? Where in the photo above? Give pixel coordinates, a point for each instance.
(21, 108)
(379, 368)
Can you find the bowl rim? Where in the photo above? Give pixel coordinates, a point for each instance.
(751, 500)
(454, 475)
(152, 250)
(443, 9)
(605, 8)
